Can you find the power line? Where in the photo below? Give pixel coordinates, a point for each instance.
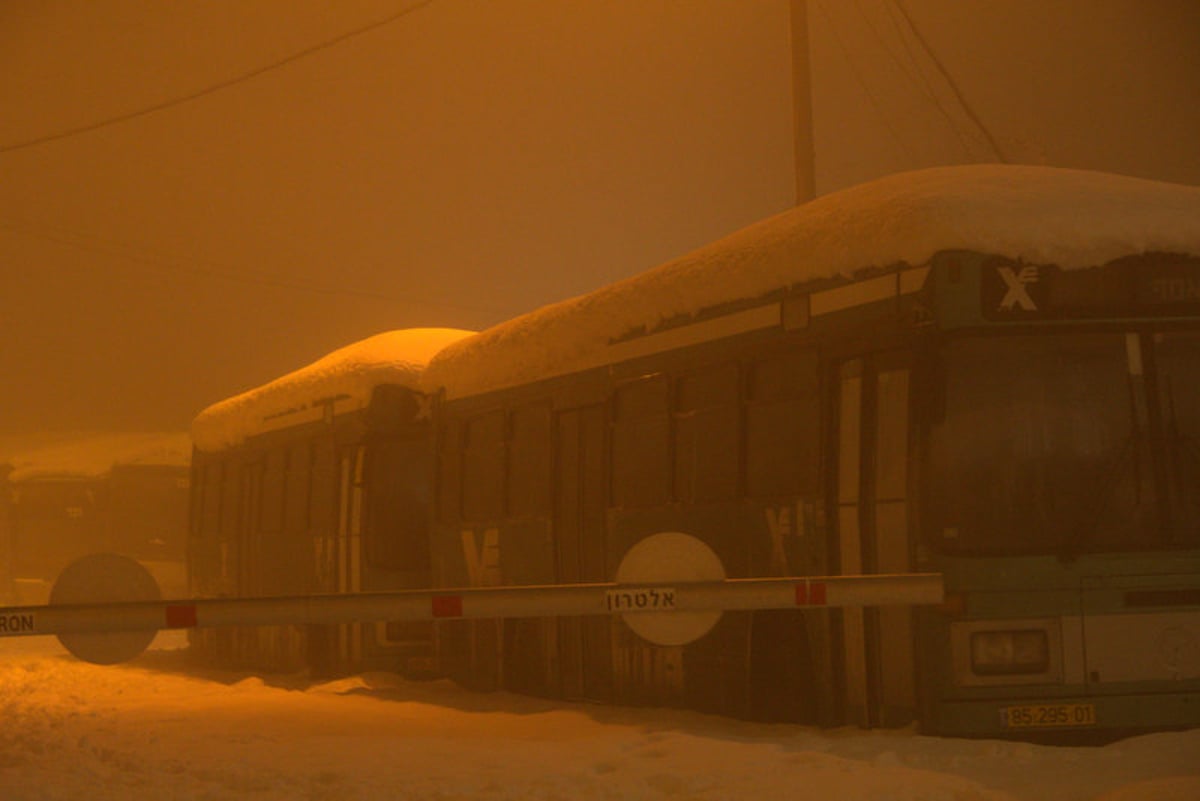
(216, 87)
(918, 74)
(958, 95)
(862, 81)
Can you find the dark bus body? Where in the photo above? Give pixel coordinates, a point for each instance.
(881, 382)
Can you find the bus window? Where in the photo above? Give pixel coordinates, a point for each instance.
(297, 485)
(707, 435)
(397, 505)
(54, 522)
(449, 471)
(1177, 357)
(641, 444)
(271, 513)
(483, 468)
(322, 512)
(528, 490)
(782, 425)
(210, 494)
(147, 505)
(1043, 447)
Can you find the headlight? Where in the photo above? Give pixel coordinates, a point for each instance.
(998, 653)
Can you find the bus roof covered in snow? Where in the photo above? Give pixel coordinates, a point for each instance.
(342, 381)
(1070, 218)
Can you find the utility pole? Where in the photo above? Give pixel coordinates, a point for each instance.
(802, 116)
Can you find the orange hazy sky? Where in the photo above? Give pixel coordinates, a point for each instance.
(249, 186)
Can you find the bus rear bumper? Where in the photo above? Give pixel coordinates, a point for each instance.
(1025, 718)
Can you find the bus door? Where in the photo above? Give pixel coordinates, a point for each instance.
(346, 554)
(583, 647)
(241, 556)
(871, 443)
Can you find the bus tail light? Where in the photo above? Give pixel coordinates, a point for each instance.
(1007, 653)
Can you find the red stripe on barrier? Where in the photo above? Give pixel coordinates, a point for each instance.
(816, 593)
(810, 593)
(181, 616)
(447, 606)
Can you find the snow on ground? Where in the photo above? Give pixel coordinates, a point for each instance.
(157, 729)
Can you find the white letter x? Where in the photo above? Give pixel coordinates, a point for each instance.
(1017, 295)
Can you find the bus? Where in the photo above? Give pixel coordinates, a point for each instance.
(991, 372)
(318, 482)
(987, 372)
(105, 493)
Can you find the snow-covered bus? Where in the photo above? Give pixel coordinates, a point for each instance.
(124, 493)
(992, 372)
(318, 482)
(987, 372)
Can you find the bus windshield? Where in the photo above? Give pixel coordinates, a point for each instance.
(1177, 358)
(1066, 443)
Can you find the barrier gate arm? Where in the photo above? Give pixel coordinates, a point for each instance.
(908, 589)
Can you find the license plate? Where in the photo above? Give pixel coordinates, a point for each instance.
(1040, 716)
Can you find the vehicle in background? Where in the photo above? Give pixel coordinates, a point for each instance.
(112, 493)
(319, 482)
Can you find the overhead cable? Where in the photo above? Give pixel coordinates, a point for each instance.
(216, 87)
(950, 82)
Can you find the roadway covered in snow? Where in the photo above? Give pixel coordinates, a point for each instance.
(158, 729)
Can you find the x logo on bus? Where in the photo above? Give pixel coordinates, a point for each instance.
(1017, 295)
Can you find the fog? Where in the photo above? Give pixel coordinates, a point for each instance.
(197, 198)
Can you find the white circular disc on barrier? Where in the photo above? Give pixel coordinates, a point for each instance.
(105, 578)
(663, 558)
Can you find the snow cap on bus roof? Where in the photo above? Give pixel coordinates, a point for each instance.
(94, 455)
(1045, 215)
(348, 374)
